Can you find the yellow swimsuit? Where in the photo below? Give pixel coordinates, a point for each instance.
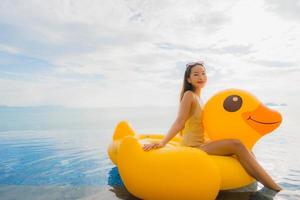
(193, 134)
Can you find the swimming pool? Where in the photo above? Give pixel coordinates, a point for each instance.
(62, 163)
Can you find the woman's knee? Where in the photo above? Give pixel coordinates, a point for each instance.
(236, 144)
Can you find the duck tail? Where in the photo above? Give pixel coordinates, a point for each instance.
(123, 129)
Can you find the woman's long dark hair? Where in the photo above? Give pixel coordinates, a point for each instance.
(186, 85)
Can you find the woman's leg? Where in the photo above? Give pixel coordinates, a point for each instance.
(235, 147)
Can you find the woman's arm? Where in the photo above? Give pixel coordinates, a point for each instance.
(178, 124)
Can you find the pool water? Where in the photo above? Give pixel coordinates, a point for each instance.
(72, 163)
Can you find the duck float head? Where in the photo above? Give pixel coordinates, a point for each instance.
(235, 113)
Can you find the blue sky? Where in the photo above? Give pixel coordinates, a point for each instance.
(133, 53)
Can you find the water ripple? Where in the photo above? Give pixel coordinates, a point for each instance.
(29, 160)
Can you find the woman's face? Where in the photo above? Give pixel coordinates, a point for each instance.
(198, 76)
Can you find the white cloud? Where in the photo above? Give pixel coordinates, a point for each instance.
(134, 52)
(288, 10)
(9, 49)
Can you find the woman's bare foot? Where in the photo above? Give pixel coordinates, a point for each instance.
(273, 186)
(276, 188)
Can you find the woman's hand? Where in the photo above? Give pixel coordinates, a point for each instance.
(154, 145)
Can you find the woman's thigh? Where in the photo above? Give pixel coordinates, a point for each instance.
(225, 147)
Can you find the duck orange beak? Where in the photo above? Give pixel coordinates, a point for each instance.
(263, 119)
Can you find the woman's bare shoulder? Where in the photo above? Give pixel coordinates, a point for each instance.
(185, 106)
(188, 98)
(188, 95)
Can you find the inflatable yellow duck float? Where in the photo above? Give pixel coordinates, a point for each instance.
(179, 172)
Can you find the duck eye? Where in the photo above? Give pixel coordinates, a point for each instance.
(232, 103)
